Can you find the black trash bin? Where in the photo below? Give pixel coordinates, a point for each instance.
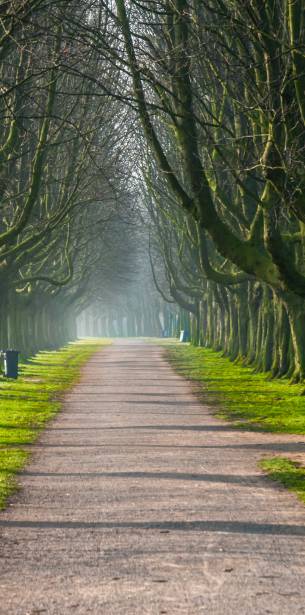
(10, 363)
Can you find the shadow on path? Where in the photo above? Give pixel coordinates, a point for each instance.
(243, 480)
(229, 527)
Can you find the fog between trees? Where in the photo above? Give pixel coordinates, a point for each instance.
(165, 133)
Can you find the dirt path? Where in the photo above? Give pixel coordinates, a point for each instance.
(138, 502)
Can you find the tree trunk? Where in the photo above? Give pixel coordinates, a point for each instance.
(296, 314)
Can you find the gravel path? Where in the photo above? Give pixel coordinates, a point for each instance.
(137, 501)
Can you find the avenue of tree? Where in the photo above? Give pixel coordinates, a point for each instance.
(220, 90)
(69, 210)
(164, 133)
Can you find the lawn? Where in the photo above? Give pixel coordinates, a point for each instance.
(28, 403)
(249, 400)
(288, 472)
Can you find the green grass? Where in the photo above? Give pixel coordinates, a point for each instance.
(287, 472)
(249, 400)
(28, 403)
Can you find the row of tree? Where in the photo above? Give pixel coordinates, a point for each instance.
(219, 90)
(67, 205)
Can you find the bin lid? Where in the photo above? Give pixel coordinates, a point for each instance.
(10, 350)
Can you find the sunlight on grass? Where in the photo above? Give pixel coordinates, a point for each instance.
(27, 403)
(250, 400)
(11, 461)
(287, 472)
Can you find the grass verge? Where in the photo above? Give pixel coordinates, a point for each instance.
(250, 400)
(287, 472)
(28, 403)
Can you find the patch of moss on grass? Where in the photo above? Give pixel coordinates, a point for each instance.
(28, 403)
(251, 400)
(287, 472)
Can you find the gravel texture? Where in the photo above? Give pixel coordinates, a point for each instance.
(138, 501)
